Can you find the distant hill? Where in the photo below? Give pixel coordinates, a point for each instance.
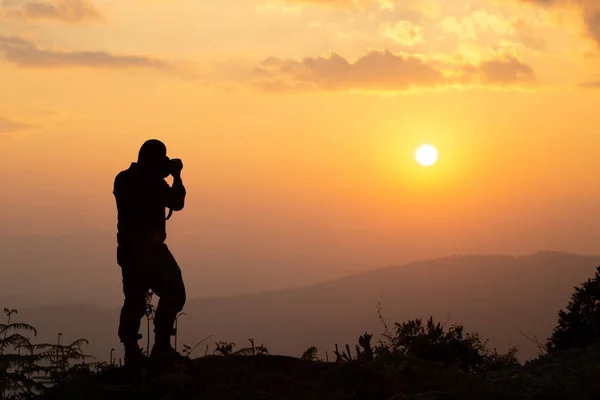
(495, 295)
(45, 267)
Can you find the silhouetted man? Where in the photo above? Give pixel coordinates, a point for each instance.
(142, 194)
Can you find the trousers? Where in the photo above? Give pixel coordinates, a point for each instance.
(147, 268)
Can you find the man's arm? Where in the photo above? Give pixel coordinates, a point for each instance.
(121, 190)
(173, 197)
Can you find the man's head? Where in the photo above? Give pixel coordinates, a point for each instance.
(153, 157)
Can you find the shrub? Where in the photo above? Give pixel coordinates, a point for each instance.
(431, 342)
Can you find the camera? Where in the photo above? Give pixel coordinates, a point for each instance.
(175, 165)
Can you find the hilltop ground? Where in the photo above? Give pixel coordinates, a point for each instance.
(574, 374)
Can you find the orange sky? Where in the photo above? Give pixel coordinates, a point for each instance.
(298, 120)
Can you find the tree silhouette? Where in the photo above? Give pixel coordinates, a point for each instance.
(579, 325)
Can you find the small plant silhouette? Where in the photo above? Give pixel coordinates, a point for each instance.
(176, 328)
(187, 350)
(364, 351)
(224, 348)
(111, 357)
(150, 311)
(543, 348)
(310, 354)
(344, 356)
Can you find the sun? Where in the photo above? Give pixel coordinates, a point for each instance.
(426, 155)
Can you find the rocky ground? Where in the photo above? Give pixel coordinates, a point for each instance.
(569, 375)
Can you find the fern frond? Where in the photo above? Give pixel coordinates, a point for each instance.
(17, 326)
(15, 339)
(251, 351)
(246, 351)
(78, 343)
(39, 346)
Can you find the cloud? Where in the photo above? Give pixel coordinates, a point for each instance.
(402, 32)
(68, 11)
(589, 85)
(592, 20)
(26, 53)
(477, 22)
(525, 35)
(385, 71)
(506, 71)
(10, 126)
(375, 70)
(590, 9)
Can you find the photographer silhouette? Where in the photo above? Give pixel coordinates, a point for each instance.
(142, 194)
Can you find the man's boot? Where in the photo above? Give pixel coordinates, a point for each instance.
(134, 356)
(162, 351)
(163, 330)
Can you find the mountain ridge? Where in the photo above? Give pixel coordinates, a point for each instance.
(454, 257)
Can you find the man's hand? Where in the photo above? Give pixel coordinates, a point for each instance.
(177, 166)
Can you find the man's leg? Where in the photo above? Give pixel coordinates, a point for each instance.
(167, 283)
(135, 288)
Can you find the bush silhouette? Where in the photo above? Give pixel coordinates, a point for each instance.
(579, 325)
(451, 347)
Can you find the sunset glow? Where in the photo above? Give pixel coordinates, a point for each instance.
(298, 121)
